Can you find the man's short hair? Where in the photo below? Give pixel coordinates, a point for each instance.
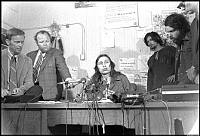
(42, 32)
(13, 32)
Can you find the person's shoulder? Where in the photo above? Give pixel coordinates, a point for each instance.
(54, 50)
(121, 75)
(170, 48)
(25, 57)
(31, 52)
(4, 51)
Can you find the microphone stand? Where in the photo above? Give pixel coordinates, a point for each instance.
(83, 92)
(66, 87)
(107, 85)
(144, 127)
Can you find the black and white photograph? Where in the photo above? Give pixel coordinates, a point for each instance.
(99, 67)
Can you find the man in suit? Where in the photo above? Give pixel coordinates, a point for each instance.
(193, 71)
(23, 83)
(53, 60)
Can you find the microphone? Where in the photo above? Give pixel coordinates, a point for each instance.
(82, 80)
(76, 82)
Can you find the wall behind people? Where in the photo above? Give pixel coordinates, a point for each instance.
(10, 14)
(128, 43)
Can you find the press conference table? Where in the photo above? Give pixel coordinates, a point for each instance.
(34, 118)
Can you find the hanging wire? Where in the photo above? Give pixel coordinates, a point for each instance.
(57, 26)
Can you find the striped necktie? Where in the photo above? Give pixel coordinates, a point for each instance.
(13, 74)
(37, 67)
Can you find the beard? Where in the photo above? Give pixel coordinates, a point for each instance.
(153, 48)
(177, 40)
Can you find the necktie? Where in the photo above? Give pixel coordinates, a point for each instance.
(13, 74)
(37, 68)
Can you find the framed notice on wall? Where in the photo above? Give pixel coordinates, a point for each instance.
(121, 14)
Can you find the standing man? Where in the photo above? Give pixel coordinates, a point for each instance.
(16, 68)
(50, 60)
(161, 63)
(179, 29)
(193, 71)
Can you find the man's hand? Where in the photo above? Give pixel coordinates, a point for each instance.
(17, 92)
(196, 80)
(191, 73)
(70, 82)
(4, 92)
(171, 79)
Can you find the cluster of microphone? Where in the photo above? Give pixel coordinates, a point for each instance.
(93, 93)
(74, 83)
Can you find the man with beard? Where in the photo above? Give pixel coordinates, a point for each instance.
(179, 29)
(161, 63)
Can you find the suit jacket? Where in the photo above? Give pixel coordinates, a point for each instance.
(185, 60)
(194, 42)
(47, 78)
(24, 71)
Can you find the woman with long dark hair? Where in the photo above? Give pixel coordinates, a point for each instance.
(109, 82)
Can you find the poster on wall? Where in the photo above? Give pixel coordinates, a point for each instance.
(127, 64)
(121, 14)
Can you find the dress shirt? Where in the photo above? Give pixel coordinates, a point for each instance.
(37, 56)
(9, 58)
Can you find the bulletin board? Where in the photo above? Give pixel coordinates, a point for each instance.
(121, 14)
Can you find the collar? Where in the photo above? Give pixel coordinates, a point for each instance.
(10, 55)
(186, 38)
(43, 54)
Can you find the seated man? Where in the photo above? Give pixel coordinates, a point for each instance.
(16, 70)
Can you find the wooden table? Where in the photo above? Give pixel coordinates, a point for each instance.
(36, 117)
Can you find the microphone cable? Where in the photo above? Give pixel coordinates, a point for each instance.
(89, 114)
(122, 109)
(26, 105)
(169, 119)
(100, 116)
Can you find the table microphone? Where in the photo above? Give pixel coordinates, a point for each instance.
(76, 82)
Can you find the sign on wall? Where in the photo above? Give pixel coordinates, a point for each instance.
(127, 64)
(121, 14)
